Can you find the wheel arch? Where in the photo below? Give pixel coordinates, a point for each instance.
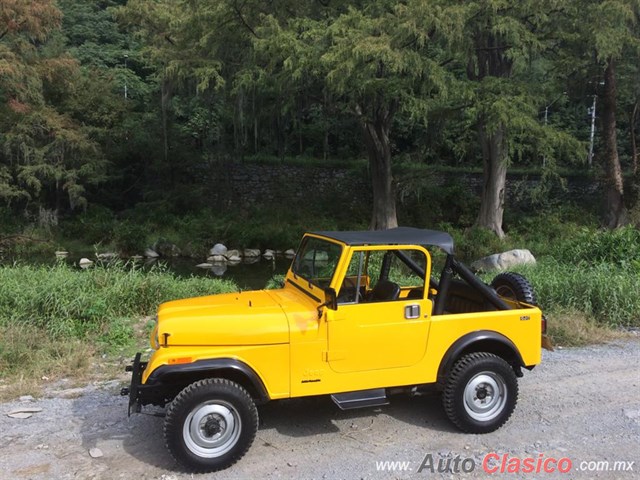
(179, 376)
(481, 341)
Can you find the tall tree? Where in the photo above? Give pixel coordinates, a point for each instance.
(613, 31)
(46, 158)
(378, 59)
(501, 40)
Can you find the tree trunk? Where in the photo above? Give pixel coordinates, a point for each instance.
(491, 61)
(614, 215)
(376, 138)
(494, 178)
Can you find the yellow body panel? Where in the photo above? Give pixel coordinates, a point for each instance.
(245, 318)
(299, 347)
(270, 362)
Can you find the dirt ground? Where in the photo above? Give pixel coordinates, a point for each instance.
(578, 410)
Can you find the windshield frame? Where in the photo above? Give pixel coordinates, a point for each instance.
(299, 261)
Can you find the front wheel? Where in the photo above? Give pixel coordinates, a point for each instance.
(480, 393)
(210, 425)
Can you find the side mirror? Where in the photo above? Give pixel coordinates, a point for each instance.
(331, 298)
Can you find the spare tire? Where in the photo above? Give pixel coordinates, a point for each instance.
(515, 287)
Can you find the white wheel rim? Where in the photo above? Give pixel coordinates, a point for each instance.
(485, 396)
(212, 429)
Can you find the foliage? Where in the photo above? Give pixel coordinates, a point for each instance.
(45, 155)
(603, 291)
(275, 282)
(569, 328)
(30, 353)
(69, 303)
(615, 247)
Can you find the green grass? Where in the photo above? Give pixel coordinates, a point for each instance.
(69, 302)
(57, 321)
(51, 318)
(604, 292)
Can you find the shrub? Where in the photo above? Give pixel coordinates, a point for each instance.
(618, 247)
(604, 292)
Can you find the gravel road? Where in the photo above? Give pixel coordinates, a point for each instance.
(580, 405)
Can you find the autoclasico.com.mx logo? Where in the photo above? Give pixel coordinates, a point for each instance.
(493, 463)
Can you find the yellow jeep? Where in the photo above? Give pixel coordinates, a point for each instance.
(359, 318)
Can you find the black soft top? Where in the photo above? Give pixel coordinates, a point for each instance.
(394, 236)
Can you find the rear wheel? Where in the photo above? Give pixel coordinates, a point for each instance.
(210, 425)
(515, 287)
(480, 393)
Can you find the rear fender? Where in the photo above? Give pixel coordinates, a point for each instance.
(481, 341)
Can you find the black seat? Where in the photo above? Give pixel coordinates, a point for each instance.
(385, 291)
(416, 293)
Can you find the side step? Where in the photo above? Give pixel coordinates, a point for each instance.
(361, 398)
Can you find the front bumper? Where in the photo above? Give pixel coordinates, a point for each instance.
(133, 391)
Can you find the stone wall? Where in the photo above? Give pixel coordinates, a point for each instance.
(251, 184)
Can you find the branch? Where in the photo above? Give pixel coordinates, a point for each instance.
(446, 62)
(244, 22)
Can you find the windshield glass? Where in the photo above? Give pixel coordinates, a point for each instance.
(316, 261)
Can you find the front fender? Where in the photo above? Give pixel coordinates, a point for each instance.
(230, 368)
(166, 381)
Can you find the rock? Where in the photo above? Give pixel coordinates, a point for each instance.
(166, 249)
(62, 254)
(218, 249)
(19, 415)
(23, 412)
(95, 452)
(151, 253)
(85, 263)
(290, 253)
(204, 265)
(107, 257)
(234, 255)
(269, 254)
(251, 253)
(26, 398)
(217, 259)
(504, 261)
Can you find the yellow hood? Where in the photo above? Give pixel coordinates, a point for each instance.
(246, 318)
